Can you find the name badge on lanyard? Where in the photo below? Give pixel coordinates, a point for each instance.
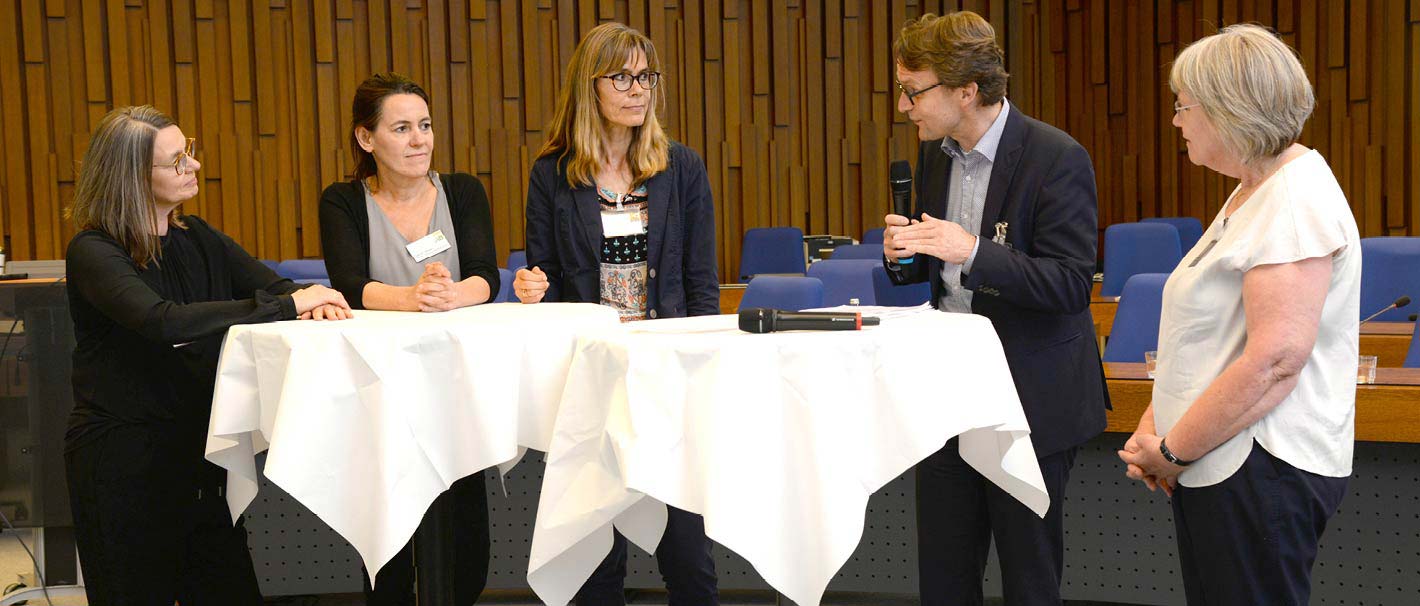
(618, 223)
(428, 246)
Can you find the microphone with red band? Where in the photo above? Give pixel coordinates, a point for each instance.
(761, 320)
(1399, 303)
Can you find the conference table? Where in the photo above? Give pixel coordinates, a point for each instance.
(777, 439)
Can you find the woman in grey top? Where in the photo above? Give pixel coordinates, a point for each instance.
(401, 237)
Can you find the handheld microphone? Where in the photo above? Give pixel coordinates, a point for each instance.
(1399, 303)
(760, 320)
(900, 178)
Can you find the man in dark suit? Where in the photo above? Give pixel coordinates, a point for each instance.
(1005, 228)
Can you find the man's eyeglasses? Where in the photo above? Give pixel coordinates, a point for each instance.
(183, 164)
(912, 95)
(622, 81)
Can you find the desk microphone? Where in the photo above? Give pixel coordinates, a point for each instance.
(900, 178)
(761, 320)
(1399, 303)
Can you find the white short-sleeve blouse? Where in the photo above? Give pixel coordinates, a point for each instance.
(1298, 213)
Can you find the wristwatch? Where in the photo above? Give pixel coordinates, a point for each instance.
(1168, 455)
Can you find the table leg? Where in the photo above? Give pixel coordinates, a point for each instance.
(434, 555)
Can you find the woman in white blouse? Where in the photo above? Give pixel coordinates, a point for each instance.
(1251, 425)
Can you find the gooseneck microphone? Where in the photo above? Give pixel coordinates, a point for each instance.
(1399, 303)
(761, 320)
(900, 178)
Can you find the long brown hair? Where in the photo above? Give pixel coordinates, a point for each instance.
(365, 113)
(114, 193)
(578, 128)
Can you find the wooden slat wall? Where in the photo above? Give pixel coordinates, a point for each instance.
(1099, 69)
(791, 102)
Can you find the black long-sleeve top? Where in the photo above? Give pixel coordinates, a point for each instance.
(148, 339)
(345, 234)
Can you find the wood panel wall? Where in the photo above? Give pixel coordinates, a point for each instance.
(791, 102)
(1099, 69)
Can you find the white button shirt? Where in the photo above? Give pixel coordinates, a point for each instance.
(1298, 213)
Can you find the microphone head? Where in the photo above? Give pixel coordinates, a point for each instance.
(900, 175)
(1402, 301)
(758, 320)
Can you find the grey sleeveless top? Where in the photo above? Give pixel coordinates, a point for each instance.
(390, 261)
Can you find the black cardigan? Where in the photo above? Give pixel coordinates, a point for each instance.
(345, 234)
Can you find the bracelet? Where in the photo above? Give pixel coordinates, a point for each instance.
(1169, 456)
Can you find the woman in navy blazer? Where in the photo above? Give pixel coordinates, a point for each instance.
(620, 215)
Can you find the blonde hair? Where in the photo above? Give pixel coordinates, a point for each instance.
(114, 191)
(1252, 87)
(578, 128)
(960, 48)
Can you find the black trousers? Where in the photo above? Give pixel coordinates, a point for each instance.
(394, 585)
(959, 512)
(684, 558)
(1252, 538)
(151, 526)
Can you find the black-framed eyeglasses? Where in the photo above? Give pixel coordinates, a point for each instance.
(622, 81)
(913, 95)
(183, 164)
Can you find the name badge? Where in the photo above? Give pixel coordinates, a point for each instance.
(618, 223)
(428, 246)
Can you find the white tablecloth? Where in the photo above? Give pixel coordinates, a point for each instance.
(368, 420)
(777, 439)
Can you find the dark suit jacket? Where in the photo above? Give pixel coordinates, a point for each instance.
(564, 237)
(1037, 291)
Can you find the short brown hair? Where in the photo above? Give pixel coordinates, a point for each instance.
(960, 48)
(366, 109)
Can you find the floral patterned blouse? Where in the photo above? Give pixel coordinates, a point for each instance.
(623, 259)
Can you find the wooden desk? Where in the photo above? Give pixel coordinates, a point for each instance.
(1388, 411)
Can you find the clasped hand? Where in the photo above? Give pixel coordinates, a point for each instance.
(944, 240)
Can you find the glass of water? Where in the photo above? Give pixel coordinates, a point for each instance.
(1151, 362)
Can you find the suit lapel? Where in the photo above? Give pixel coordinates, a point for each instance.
(586, 200)
(658, 192)
(1008, 156)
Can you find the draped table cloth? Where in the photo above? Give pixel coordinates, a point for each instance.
(367, 420)
(776, 439)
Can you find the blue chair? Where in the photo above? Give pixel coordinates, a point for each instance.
(873, 236)
(269, 263)
(859, 251)
(505, 286)
(1136, 322)
(1138, 248)
(772, 250)
(1390, 268)
(788, 293)
(846, 279)
(1190, 230)
(302, 269)
(517, 259)
(888, 294)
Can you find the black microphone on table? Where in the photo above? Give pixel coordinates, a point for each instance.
(900, 178)
(761, 320)
(1399, 303)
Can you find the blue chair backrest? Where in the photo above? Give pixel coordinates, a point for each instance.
(846, 279)
(269, 263)
(859, 251)
(302, 269)
(1136, 322)
(1412, 357)
(517, 259)
(873, 236)
(772, 250)
(1138, 248)
(1390, 268)
(505, 286)
(788, 293)
(1190, 230)
(892, 295)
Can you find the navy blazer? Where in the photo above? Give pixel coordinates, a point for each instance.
(1036, 289)
(564, 237)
